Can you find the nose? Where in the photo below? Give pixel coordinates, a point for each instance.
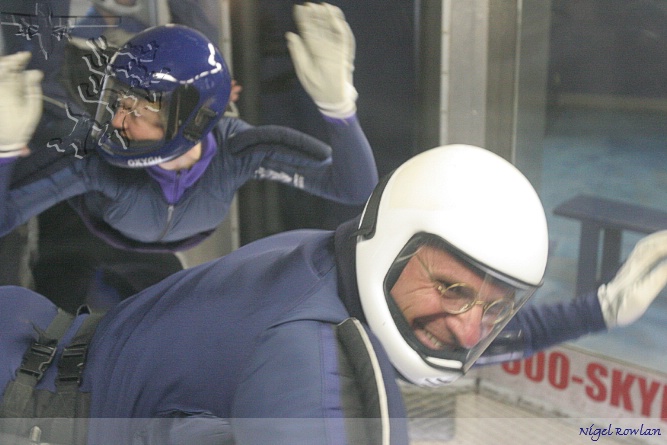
(467, 327)
(118, 119)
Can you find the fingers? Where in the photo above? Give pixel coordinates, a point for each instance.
(647, 252)
(323, 22)
(14, 62)
(642, 295)
(32, 82)
(654, 246)
(341, 27)
(33, 78)
(297, 49)
(33, 97)
(12, 70)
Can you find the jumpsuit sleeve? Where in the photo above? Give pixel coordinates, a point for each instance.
(347, 176)
(547, 325)
(539, 326)
(18, 204)
(353, 173)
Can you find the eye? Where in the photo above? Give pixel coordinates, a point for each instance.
(455, 291)
(498, 311)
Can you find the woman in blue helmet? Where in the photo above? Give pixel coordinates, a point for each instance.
(167, 163)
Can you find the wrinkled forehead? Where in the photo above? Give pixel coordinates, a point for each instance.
(443, 265)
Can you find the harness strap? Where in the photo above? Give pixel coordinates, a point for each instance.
(371, 411)
(38, 414)
(36, 361)
(73, 357)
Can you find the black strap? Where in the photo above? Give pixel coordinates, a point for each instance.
(36, 361)
(370, 423)
(73, 358)
(59, 417)
(40, 354)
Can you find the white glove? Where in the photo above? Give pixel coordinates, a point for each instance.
(323, 57)
(20, 103)
(644, 274)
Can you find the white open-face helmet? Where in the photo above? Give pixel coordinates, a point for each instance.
(469, 202)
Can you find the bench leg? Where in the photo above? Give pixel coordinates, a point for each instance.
(587, 266)
(611, 253)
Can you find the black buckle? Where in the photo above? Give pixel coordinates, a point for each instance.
(38, 358)
(71, 363)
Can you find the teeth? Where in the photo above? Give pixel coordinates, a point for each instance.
(438, 344)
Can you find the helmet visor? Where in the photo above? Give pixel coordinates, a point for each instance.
(137, 124)
(131, 121)
(447, 306)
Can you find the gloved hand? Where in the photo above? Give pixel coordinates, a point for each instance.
(323, 57)
(643, 275)
(20, 103)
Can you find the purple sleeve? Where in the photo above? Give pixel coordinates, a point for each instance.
(9, 160)
(546, 325)
(539, 326)
(354, 173)
(347, 175)
(18, 204)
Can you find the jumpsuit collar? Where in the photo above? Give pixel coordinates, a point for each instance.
(345, 242)
(175, 183)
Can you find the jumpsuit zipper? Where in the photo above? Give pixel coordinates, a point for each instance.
(170, 209)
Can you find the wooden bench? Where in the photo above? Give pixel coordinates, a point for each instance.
(611, 218)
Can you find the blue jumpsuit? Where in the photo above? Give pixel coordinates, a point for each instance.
(241, 347)
(177, 206)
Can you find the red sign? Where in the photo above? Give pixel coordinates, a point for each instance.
(584, 385)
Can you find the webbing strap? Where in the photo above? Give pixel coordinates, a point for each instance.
(59, 417)
(73, 357)
(374, 415)
(36, 361)
(41, 352)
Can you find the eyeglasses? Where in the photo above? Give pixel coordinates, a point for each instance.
(458, 298)
(140, 110)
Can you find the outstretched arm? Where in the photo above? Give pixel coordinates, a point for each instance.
(323, 56)
(618, 303)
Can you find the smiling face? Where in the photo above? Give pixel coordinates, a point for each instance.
(435, 283)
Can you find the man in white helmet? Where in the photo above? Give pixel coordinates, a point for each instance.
(299, 337)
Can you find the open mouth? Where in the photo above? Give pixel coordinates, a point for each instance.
(427, 338)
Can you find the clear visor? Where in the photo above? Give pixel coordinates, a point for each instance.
(446, 306)
(132, 119)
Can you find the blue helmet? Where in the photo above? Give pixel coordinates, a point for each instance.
(170, 79)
